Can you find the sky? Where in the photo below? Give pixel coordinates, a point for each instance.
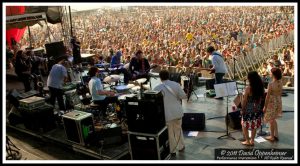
(89, 7)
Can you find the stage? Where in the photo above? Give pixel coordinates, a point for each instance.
(201, 146)
(57, 137)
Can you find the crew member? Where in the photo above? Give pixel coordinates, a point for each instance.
(57, 77)
(139, 66)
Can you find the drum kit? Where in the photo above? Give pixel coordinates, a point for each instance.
(111, 78)
(134, 87)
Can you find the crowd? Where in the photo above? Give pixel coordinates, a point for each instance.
(173, 36)
(180, 36)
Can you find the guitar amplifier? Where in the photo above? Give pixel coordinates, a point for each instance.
(146, 115)
(79, 127)
(32, 102)
(193, 121)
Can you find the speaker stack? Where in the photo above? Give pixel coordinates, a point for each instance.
(147, 131)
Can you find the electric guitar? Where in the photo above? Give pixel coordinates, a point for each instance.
(137, 73)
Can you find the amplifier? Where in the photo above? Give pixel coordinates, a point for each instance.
(79, 127)
(193, 121)
(144, 146)
(146, 115)
(233, 120)
(32, 102)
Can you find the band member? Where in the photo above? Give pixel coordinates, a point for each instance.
(219, 67)
(100, 96)
(173, 94)
(139, 66)
(57, 77)
(116, 62)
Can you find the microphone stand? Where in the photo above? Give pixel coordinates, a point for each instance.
(234, 66)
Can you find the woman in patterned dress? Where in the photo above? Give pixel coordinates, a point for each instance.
(251, 107)
(273, 104)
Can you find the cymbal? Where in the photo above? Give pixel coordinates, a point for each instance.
(130, 86)
(112, 78)
(121, 88)
(141, 80)
(135, 88)
(126, 66)
(147, 87)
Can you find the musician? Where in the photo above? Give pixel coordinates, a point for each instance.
(173, 94)
(57, 77)
(116, 62)
(219, 67)
(100, 96)
(139, 66)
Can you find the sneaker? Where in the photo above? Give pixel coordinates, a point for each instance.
(218, 98)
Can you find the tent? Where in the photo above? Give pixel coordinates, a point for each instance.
(19, 17)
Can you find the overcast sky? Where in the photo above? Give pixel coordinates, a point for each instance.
(89, 7)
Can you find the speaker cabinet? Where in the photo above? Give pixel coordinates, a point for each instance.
(55, 49)
(193, 121)
(147, 114)
(233, 120)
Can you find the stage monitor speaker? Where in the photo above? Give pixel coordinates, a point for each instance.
(193, 121)
(55, 49)
(146, 115)
(234, 120)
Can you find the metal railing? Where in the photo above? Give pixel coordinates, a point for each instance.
(254, 58)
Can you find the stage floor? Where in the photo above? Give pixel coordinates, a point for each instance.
(199, 147)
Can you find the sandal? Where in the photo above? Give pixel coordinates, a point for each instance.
(247, 143)
(270, 138)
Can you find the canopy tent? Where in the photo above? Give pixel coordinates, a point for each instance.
(19, 17)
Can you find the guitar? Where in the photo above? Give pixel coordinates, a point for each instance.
(137, 73)
(208, 69)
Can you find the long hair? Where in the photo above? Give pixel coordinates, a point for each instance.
(256, 85)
